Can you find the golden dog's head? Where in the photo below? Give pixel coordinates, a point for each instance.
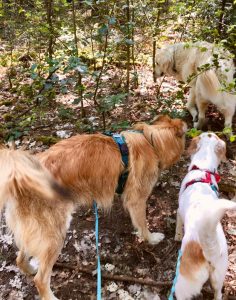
(164, 61)
(167, 136)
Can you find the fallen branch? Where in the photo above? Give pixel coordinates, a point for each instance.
(122, 278)
(117, 277)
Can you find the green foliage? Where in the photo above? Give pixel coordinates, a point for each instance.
(120, 125)
(65, 113)
(109, 102)
(47, 140)
(172, 106)
(228, 132)
(47, 54)
(193, 132)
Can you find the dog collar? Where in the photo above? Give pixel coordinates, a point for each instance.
(206, 179)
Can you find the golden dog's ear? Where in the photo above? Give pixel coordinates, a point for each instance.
(160, 118)
(220, 150)
(180, 127)
(148, 131)
(194, 146)
(139, 126)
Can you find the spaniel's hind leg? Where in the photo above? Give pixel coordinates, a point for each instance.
(179, 228)
(23, 263)
(217, 275)
(43, 276)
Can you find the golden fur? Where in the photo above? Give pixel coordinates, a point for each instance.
(89, 166)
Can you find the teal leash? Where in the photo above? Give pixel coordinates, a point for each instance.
(99, 277)
(171, 296)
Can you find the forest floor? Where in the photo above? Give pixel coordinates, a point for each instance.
(122, 253)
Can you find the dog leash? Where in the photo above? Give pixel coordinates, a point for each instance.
(99, 277)
(172, 291)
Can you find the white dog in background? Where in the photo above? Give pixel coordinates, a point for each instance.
(204, 247)
(184, 61)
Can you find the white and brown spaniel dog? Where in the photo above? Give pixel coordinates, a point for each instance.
(204, 247)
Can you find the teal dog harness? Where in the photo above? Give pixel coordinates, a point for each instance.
(124, 151)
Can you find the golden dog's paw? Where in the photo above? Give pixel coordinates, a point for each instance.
(155, 238)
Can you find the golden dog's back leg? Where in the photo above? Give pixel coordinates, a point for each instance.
(23, 264)
(43, 276)
(35, 212)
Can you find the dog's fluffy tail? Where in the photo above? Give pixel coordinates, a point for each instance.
(21, 174)
(211, 81)
(209, 226)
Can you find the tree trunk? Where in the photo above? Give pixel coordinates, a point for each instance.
(221, 22)
(132, 46)
(128, 36)
(79, 82)
(154, 46)
(49, 9)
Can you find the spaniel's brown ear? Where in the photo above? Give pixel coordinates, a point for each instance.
(220, 150)
(193, 147)
(160, 118)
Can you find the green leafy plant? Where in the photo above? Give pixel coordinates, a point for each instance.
(193, 132)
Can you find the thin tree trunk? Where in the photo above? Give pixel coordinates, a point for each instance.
(132, 47)
(101, 71)
(220, 24)
(154, 47)
(128, 48)
(49, 8)
(79, 82)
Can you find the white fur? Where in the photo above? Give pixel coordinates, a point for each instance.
(181, 62)
(155, 237)
(200, 211)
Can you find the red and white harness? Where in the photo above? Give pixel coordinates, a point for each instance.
(206, 179)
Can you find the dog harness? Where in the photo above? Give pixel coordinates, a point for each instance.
(207, 179)
(124, 150)
(121, 143)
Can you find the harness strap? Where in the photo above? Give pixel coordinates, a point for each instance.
(207, 179)
(215, 174)
(121, 143)
(124, 150)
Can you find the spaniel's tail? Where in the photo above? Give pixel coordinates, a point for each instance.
(21, 175)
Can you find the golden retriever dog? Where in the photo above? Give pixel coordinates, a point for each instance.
(184, 62)
(88, 166)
